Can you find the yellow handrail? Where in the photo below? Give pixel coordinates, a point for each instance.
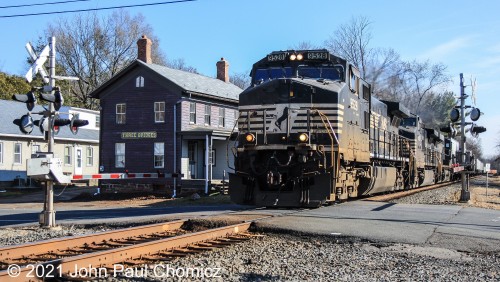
(333, 137)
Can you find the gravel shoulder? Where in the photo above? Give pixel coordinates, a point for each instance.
(481, 196)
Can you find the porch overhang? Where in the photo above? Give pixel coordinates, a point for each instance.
(201, 133)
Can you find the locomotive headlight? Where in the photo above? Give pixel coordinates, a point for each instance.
(300, 57)
(303, 137)
(250, 137)
(293, 57)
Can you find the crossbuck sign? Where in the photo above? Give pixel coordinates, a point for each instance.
(37, 66)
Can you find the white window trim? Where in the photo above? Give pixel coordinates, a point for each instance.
(1, 152)
(208, 114)
(20, 153)
(223, 116)
(161, 152)
(124, 114)
(194, 112)
(70, 155)
(139, 82)
(116, 156)
(160, 111)
(91, 156)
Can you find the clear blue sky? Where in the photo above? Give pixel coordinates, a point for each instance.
(460, 34)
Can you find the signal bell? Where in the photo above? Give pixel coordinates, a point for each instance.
(25, 124)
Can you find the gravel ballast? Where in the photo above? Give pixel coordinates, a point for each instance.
(304, 257)
(282, 257)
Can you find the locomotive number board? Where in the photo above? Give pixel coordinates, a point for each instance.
(317, 56)
(306, 56)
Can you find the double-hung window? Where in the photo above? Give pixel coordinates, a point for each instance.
(159, 111)
(192, 112)
(18, 153)
(121, 110)
(67, 155)
(120, 155)
(159, 153)
(90, 156)
(208, 112)
(222, 117)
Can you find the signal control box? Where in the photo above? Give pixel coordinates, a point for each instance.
(43, 167)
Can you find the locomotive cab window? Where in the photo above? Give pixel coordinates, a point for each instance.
(353, 79)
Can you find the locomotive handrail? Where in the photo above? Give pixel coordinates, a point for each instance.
(333, 136)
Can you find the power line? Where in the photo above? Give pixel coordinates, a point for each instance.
(96, 9)
(41, 4)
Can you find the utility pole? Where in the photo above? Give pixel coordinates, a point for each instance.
(465, 193)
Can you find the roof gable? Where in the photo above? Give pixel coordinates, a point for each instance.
(190, 82)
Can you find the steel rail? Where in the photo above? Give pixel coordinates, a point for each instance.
(401, 194)
(129, 254)
(9, 254)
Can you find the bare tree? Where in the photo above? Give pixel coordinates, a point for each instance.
(420, 78)
(180, 64)
(240, 79)
(305, 45)
(94, 49)
(351, 41)
(473, 145)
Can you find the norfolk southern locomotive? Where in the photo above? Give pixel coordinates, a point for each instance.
(309, 132)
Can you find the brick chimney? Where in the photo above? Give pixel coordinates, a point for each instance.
(144, 49)
(223, 70)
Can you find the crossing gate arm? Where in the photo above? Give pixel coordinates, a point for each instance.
(119, 176)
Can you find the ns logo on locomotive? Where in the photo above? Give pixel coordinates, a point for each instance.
(310, 132)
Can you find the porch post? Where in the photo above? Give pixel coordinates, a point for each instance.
(207, 148)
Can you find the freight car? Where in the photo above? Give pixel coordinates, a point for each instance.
(310, 132)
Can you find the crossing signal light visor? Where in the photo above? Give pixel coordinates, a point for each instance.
(76, 123)
(57, 99)
(28, 98)
(58, 122)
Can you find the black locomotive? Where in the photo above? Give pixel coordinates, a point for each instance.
(310, 132)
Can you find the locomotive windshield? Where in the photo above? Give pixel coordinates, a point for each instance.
(265, 74)
(326, 72)
(412, 122)
(331, 72)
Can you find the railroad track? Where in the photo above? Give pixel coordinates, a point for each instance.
(401, 194)
(97, 256)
